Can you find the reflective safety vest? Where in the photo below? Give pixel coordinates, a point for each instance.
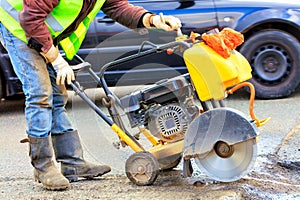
(61, 17)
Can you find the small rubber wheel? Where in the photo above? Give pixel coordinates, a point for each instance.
(142, 168)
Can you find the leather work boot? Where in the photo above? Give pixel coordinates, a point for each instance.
(45, 172)
(69, 153)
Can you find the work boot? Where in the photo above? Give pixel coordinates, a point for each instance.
(45, 172)
(68, 151)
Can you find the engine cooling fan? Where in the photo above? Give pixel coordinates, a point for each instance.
(169, 123)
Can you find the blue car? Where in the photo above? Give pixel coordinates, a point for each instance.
(271, 30)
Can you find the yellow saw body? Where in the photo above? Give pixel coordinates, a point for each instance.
(212, 74)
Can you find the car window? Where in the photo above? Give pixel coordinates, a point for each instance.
(107, 37)
(195, 16)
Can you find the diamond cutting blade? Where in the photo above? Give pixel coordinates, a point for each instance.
(228, 163)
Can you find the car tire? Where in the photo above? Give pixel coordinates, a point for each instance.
(274, 58)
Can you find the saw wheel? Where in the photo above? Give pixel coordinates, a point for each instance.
(228, 163)
(142, 168)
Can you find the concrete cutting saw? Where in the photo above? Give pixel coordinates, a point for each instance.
(184, 118)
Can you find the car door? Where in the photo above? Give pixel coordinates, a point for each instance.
(196, 15)
(108, 40)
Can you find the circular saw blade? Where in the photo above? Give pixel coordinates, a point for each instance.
(232, 168)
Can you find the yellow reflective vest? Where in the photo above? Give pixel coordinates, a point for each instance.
(60, 18)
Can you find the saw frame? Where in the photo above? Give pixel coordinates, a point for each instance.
(184, 117)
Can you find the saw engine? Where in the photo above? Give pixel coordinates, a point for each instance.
(165, 109)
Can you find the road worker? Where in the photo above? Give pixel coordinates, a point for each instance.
(31, 31)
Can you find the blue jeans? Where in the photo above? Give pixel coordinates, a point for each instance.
(45, 111)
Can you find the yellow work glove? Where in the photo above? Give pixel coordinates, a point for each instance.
(63, 70)
(167, 23)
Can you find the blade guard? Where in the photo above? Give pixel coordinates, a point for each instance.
(220, 124)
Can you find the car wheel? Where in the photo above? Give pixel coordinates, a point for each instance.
(274, 58)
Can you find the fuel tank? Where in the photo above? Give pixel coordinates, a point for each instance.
(212, 74)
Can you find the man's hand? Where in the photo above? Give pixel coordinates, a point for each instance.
(167, 23)
(63, 71)
(62, 68)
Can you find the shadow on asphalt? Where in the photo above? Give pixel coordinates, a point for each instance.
(12, 104)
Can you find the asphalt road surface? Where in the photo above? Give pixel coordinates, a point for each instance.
(276, 174)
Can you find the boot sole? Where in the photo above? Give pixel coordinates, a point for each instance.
(74, 178)
(57, 188)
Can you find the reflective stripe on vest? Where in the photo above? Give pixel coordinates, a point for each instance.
(71, 44)
(63, 15)
(57, 21)
(10, 19)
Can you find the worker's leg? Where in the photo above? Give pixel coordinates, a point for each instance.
(31, 69)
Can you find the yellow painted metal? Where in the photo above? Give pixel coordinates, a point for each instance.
(126, 138)
(164, 150)
(212, 74)
(149, 136)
